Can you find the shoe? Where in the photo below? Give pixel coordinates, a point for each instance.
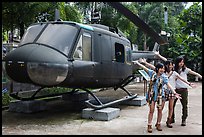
(149, 128)
(168, 123)
(183, 123)
(158, 127)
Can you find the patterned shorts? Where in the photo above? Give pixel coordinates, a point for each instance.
(169, 95)
(149, 97)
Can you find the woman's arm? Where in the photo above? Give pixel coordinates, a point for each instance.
(140, 65)
(147, 64)
(178, 76)
(195, 73)
(176, 94)
(160, 56)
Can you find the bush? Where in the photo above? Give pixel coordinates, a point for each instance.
(6, 99)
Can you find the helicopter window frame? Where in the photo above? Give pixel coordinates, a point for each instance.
(83, 49)
(120, 53)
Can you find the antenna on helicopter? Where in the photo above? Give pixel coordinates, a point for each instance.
(57, 15)
(95, 15)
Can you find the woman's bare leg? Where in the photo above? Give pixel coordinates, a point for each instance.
(151, 112)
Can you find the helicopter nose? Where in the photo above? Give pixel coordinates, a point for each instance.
(47, 74)
(36, 64)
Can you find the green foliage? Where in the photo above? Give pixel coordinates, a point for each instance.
(5, 36)
(187, 37)
(72, 14)
(56, 90)
(6, 99)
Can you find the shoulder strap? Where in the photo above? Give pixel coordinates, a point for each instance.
(170, 74)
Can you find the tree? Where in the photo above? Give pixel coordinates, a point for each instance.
(72, 13)
(150, 12)
(188, 37)
(20, 14)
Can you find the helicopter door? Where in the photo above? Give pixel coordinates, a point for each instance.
(121, 65)
(106, 59)
(83, 64)
(83, 49)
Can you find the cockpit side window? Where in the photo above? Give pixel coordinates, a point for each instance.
(83, 49)
(86, 54)
(128, 54)
(78, 51)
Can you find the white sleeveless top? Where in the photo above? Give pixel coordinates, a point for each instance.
(180, 83)
(172, 79)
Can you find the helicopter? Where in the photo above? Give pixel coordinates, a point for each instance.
(77, 56)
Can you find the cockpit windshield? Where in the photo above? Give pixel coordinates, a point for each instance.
(58, 36)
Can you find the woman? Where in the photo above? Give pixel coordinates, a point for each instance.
(182, 88)
(156, 94)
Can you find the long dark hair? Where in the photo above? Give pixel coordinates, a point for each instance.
(167, 63)
(177, 61)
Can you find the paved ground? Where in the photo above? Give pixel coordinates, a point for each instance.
(59, 119)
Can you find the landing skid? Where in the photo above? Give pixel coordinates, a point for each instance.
(33, 96)
(126, 98)
(122, 85)
(99, 104)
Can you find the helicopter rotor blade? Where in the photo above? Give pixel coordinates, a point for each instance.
(138, 22)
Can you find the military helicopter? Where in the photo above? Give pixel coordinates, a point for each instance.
(77, 56)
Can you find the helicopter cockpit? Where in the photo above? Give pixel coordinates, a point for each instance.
(60, 37)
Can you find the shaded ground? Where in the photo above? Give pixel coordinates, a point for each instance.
(61, 118)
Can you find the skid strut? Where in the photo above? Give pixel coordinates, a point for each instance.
(122, 85)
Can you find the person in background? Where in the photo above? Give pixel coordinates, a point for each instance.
(155, 93)
(182, 88)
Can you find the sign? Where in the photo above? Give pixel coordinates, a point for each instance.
(144, 74)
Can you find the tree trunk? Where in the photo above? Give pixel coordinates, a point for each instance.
(145, 42)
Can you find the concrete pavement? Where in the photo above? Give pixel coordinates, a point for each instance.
(132, 120)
